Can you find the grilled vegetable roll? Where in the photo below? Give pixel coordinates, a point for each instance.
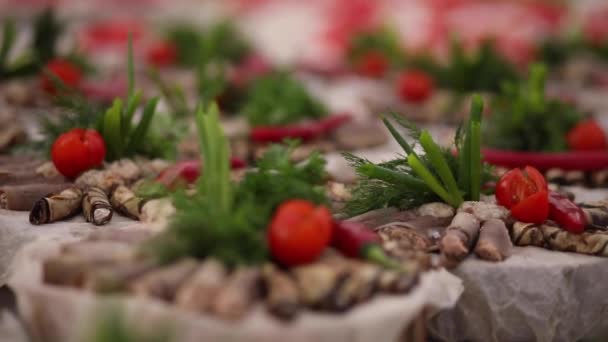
(282, 298)
(96, 207)
(596, 214)
(23, 197)
(56, 206)
(574, 178)
(460, 236)
(557, 176)
(484, 211)
(126, 202)
(163, 283)
(122, 172)
(238, 295)
(590, 242)
(115, 277)
(437, 210)
(199, 291)
(396, 282)
(66, 270)
(316, 283)
(102, 251)
(360, 285)
(599, 178)
(527, 234)
(494, 243)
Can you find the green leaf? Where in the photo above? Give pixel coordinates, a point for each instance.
(391, 176)
(476, 165)
(430, 180)
(400, 140)
(112, 132)
(440, 165)
(132, 104)
(8, 39)
(137, 139)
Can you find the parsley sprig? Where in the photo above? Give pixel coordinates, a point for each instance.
(414, 179)
(524, 119)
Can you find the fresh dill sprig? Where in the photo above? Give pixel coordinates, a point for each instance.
(436, 175)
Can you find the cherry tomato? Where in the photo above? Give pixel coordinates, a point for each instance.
(77, 151)
(65, 71)
(414, 86)
(161, 53)
(566, 213)
(533, 209)
(586, 135)
(525, 194)
(372, 64)
(299, 232)
(516, 185)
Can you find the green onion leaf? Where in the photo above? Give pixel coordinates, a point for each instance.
(136, 139)
(440, 165)
(132, 103)
(391, 176)
(475, 132)
(112, 132)
(430, 180)
(8, 39)
(400, 140)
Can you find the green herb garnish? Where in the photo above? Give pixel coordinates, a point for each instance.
(46, 31)
(524, 119)
(227, 220)
(279, 99)
(414, 179)
(384, 41)
(484, 70)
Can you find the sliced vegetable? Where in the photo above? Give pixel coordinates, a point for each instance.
(525, 194)
(305, 131)
(355, 240)
(299, 232)
(77, 151)
(566, 213)
(586, 136)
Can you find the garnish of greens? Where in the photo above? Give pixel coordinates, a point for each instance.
(220, 42)
(483, 70)
(122, 134)
(384, 41)
(524, 119)
(279, 99)
(227, 220)
(414, 179)
(46, 31)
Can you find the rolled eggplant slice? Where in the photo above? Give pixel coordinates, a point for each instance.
(590, 242)
(65, 270)
(199, 291)
(239, 294)
(484, 211)
(317, 283)
(396, 282)
(282, 297)
(527, 234)
(115, 277)
(359, 285)
(599, 178)
(163, 283)
(96, 206)
(23, 197)
(596, 214)
(494, 243)
(460, 237)
(124, 201)
(56, 206)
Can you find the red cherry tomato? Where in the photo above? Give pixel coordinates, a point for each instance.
(516, 185)
(65, 71)
(161, 53)
(299, 232)
(566, 213)
(586, 135)
(533, 209)
(525, 193)
(372, 64)
(77, 151)
(414, 86)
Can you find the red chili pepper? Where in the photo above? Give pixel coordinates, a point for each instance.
(304, 131)
(566, 213)
(579, 160)
(355, 240)
(188, 171)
